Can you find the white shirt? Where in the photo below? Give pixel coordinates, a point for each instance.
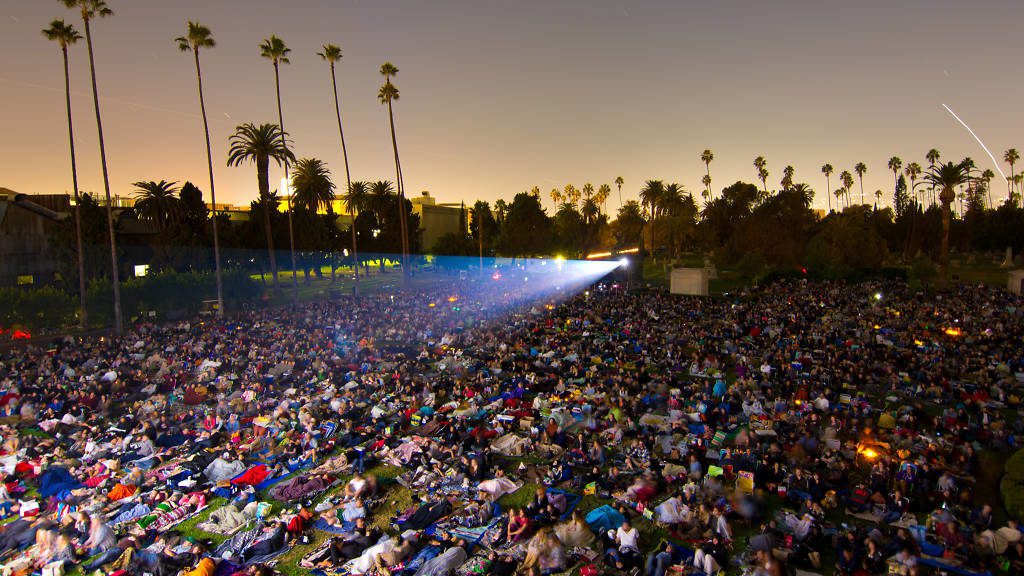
(627, 539)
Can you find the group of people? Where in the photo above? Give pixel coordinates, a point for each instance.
(825, 426)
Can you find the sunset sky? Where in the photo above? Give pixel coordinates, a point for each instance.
(497, 97)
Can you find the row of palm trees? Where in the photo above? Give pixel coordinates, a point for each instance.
(944, 178)
(257, 144)
(912, 171)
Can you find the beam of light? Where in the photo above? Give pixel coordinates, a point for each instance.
(506, 284)
(985, 148)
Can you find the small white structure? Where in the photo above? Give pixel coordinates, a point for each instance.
(689, 281)
(1016, 282)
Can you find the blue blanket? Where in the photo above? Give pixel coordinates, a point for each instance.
(58, 482)
(323, 526)
(949, 568)
(604, 518)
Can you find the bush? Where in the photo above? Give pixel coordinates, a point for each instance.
(1012, 485)
(168, 293)
(36, 309)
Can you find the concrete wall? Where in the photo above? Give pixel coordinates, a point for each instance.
(24, 249)
(689, 281)
(436, 221)
(1015, 282)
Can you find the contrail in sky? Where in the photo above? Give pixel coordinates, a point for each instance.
(996, 164)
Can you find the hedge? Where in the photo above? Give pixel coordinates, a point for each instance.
(48, 309)
(1012, 485)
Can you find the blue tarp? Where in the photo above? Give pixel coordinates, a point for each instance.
(604, 518)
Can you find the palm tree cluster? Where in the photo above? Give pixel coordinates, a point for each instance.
(257, 144)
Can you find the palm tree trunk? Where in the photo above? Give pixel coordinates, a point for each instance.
(348, 177)
(284, 144)
(1009, 184)
(828, 192)
(401, 196)
(83, 319)
(263, 175)
(944, 255)
(114, 277)
(213, 193)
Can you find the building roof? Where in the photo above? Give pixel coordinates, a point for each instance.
(9, 198)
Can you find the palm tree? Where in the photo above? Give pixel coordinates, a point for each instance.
(932, 157)
(946, 177)
(589, 210)
(847, 180)
(706, 194)
(827, 170)
(839, 195)
(357, 199)
(572, 195)
(860, 168)
(274, 49)
(557, 197)
(65, 35)
(987, 177)
(387, 94)
(787, 177)
(706, 157)
(1010, 157)
(878, 196)
(650, 196)
(601, 197)
(90, 9)
(199, 36)
(311, 185)
(895, 164)
(912, 171)
(381, 194)
(157, 202)
(762, 172)
(619, 182)
(805, 192)
(332, 55)
(1014, 198)
(260, 144)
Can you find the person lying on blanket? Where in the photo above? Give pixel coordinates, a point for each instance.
(273, 540)
(341, 549)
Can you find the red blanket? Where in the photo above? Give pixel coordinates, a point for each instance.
(252, 476)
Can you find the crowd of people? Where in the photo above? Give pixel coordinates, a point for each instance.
(828, 427)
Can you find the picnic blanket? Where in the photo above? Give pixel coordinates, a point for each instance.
(323, 526)
(604, 518)
(252, 477)
(474, 535)
(938, 564)
(511, 445)
(57, 482)
(297, 488)
(220, 470)
(564, 501)
(498, 487)
(228, 519)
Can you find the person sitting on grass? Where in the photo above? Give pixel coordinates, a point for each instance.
(519, 525)
(625, 550)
